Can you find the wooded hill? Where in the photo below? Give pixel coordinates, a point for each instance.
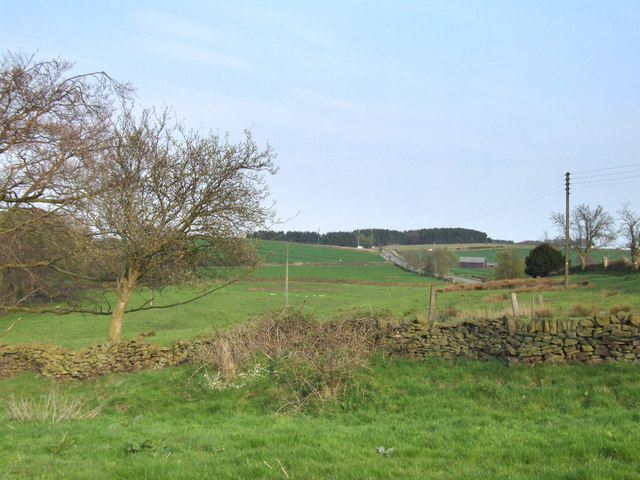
(380, 237)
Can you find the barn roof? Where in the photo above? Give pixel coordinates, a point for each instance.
(473, 259)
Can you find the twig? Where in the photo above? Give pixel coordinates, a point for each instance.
(265, 462)
(283, 470)
(12, 325)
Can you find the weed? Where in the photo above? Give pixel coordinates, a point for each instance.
(54, 407)
(544, 311)
(154, 447)
(582, 310)
(63, 445)
(617, 308)
(307, 360)
(605, 292)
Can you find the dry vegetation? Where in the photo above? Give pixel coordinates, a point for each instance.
(307, 360)
(518, 285)
(53, 407)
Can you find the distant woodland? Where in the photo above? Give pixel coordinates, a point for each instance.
(380, 237)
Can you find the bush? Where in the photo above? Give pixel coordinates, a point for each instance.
(544, 311)
(510, 265)
(625, 307)
(543, 260)
(582, 310)
(307, 362)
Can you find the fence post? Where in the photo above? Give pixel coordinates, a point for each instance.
(514, 305)
(432, 303)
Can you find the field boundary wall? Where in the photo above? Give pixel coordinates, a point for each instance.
(590, 340)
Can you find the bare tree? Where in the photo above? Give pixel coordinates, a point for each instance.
(53, 124)
(589, 230)
(630, 230)
(172, 196)
(510, 265)
(434, 262)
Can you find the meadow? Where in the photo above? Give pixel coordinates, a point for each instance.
(444, 419)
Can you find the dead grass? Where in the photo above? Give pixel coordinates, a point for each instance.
(496, 298)
(53, 407)
(620, 307)
(544, 311)
(521, 285)
(582, 310)
(307, 360)
(517, 285)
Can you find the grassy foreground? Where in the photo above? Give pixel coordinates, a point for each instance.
(445, 420)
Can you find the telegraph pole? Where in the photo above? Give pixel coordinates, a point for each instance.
(566, 236)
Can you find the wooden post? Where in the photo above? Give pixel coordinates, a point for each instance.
(533, 307)
(541, 300)
(514, 305)
(286, 280)
(432, 302)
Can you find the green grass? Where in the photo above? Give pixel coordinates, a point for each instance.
(445, 420)
(275, 252)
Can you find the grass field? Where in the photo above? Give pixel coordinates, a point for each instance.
(445, 420)
(460, 419)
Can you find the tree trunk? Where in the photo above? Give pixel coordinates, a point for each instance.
(126, 286)
(583, 259)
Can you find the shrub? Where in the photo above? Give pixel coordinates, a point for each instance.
(307, 361)
(582, 310)
(510, 265)
(54, 407)
(543, 260)
(544, 311)
(625, 307)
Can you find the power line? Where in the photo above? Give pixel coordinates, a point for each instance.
(605, 169)
(625, 179)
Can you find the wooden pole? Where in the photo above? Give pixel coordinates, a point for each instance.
(432, 302)
(566, 237)
(514, 305)
(286, 280)
(533, 307)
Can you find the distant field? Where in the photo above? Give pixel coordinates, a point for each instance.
(274, 252)
(365, 273)
(362, 281)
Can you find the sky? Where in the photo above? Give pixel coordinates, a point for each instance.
(384, 114)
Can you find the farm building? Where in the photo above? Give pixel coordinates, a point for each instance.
(473, 262)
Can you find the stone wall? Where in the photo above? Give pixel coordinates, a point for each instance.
(593, 340)
(88, 363)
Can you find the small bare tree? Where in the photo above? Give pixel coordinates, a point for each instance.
(589, 230)
(510, 265)
(170, 197)
(630, 230)
(53, 124)
(434, 262)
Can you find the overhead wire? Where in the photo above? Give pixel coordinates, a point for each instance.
(608, 176)
(508, 201)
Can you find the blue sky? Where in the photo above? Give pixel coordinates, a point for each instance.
(385, 114)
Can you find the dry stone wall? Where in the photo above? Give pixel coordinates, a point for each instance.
(593, 340)
(88, 363)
